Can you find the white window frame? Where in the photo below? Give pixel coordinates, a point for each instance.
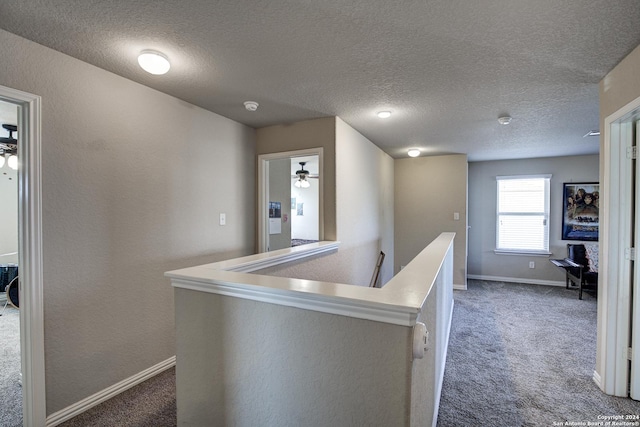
(547, 190)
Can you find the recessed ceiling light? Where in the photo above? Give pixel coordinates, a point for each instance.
(504, 120)
(384, 114)
(154, 62)
(592, 133)
(414, 152)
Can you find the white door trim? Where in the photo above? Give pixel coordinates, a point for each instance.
(614, 282)
(30, 255)
(263, 191)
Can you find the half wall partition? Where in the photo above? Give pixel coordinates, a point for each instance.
(257, 349)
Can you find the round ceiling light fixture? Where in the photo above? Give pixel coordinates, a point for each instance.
(384, 114)
(414, 152)
(154, 62)
(504, 120)
(251, 105)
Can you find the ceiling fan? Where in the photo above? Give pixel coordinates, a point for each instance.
(9, 143)
(9, 147)
(301, 175)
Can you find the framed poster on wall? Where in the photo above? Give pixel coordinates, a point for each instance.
(580, 211)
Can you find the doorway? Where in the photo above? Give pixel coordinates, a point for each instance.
(290, 214)
(30, 261)
(618, 362)
(10, 361)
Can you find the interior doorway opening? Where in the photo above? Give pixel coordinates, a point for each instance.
(10, 363)
(30, 260)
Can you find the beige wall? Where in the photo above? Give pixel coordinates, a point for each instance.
(483, 200)
(280, 191)
(301, 368)
(361, 217)
(303, 135)
(620, 86)
(364, 205)
(133, 182)
(428, 190)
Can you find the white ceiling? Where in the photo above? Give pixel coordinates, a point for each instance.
(447, 69)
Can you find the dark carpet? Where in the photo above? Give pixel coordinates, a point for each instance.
(523, 355)
(519, 355)
(149, 404)
(10, 388)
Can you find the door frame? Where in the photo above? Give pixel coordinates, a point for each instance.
(30, 254)
(615, 269)
(263, 191)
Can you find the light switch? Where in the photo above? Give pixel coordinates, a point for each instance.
(223, 219)
(456, 216)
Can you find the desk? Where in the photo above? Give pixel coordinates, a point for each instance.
(576, 275)
(566, 264)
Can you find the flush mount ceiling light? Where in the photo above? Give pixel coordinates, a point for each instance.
(592, 133)
(251, 105)
(504, 120)
(154, 62)
(384, 114)
(414, 152)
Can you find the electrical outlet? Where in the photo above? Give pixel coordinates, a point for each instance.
(532, 264)
(223, 219)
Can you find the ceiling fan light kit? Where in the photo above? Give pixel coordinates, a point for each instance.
(9, 148)
(302, 175)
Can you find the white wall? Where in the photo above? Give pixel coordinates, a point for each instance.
(8, 215)
(482, 204)
(133, 182)
(8, 197)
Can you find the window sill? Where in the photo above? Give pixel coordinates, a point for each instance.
(520, 252)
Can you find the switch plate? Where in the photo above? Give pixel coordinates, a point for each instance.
(223, 219)
(532, 264)
(456, 216)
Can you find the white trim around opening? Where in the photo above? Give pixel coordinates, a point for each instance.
(30, 254)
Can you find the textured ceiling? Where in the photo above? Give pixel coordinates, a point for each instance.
(445, 68)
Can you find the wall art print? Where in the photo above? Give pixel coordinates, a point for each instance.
(581, 211)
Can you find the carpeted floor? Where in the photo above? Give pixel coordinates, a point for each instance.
(10, 389)
(149, 404)
(519, 355)
(523, 355)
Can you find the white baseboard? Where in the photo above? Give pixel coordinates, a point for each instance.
(516, 280)
(436, 408)
(597, 379)
(106, 394)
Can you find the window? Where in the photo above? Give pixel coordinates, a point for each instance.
(523, 214)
